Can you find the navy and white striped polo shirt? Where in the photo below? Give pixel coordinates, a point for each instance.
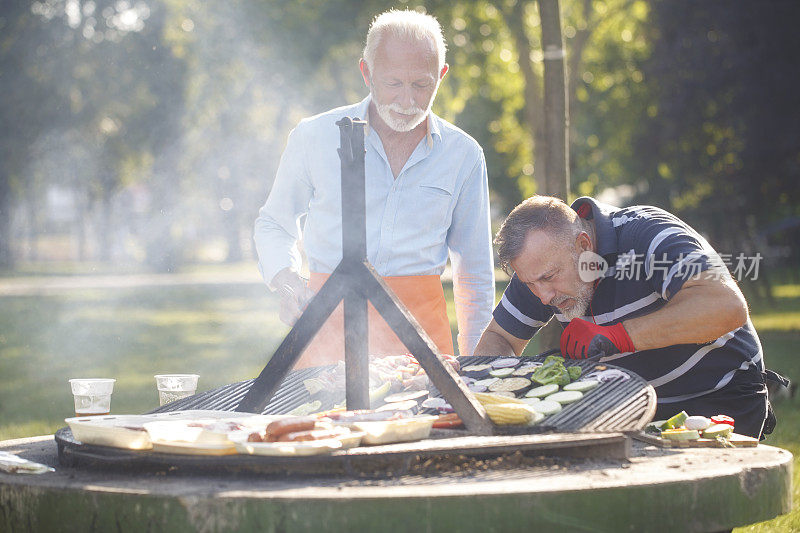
(651, 253)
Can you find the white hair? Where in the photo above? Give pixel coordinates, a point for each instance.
(406, 25)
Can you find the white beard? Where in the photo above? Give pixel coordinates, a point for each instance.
(415, 115)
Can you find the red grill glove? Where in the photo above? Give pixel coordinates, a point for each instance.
(582, 339)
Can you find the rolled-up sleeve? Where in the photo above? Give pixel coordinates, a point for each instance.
(469, 241)
(276, 228)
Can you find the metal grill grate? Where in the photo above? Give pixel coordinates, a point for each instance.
(613, 406)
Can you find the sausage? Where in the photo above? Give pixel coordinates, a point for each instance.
(289, 425)
(314, 434)
(255, 437)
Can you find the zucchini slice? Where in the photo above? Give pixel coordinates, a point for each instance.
(501, 372)
(582, 386)
(542, 391)
(486, 382)
(546, 407)
(565, 396)
(476, 371)
(510, 384)
(537, 417)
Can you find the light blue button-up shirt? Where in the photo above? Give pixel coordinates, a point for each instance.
(438, 204)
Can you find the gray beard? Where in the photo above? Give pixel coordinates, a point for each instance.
(582, 301)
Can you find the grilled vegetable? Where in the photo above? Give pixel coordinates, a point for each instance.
(487, 382)
(306, 408)
(552, 371)
(541, 392)
(377, 394)
(476, 371)
(509, 413)
(502, 372)
(524, 371)
(505, 362)
(574, 372)
(546, 407)
(582, 386)
(510, 385)
(537, 417)
(440, 404)
(565, 397)
(487, 398)
(474, 387)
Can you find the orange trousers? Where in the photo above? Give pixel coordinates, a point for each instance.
(424, 297)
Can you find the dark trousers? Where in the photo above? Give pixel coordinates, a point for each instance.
(744, 399)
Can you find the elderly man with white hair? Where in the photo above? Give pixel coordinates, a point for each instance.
(427, 198)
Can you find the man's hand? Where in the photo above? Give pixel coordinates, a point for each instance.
(294, 294)
(582, 339)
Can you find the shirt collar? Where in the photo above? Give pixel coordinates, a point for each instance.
(432, 121)
(601, 214)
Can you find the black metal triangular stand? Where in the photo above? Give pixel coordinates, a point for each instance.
(355, 282)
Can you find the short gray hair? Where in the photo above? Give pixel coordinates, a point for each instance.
(546, 213)
(407, 25)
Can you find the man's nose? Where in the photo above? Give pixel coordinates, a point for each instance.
(546, 294)
(407, 97)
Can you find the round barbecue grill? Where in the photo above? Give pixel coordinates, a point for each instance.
(594, 425)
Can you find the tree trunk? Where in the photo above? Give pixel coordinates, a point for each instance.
(556, 116)
(104, 231)
(532, 109)
(6, 254)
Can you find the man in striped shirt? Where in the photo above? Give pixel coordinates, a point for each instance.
(643, 288)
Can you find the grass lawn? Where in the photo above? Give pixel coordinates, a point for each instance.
(225, 333)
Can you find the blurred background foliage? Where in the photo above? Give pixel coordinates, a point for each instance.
(148, 131)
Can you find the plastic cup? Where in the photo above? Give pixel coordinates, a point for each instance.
(173, 387)
(92, 395)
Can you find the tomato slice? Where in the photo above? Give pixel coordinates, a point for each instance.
(722, 419)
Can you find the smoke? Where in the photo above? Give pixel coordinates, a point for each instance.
(172, 127)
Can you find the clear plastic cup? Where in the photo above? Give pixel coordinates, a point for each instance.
(173, 387)
(92, 395)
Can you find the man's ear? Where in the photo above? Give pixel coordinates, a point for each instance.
(362, 65)
(583, 242)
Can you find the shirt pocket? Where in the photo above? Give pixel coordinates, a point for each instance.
(431, 207)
